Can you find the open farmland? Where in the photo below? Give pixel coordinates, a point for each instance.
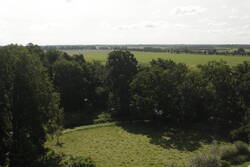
(133, 145)
(145, 57)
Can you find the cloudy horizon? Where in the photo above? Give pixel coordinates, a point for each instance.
(87, 22)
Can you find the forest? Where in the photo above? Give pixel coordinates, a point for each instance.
(43, 92)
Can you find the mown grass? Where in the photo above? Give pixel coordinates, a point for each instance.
(145, 57)
(133, 145)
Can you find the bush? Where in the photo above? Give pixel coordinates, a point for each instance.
(78, 162)
(228, 152)
(242, 133)
(104, 117)
(225, 163)
(53, 159)
(235, 154)
(205, 160)
(239, 159)
(242, 147)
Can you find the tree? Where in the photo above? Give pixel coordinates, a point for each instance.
(242, 76)
(29, 105)
(122, 67)
(38, 51)
(241, 51)
(223, 104)
(71, 83)
(97, 90)
(6, 83)
(157, 91)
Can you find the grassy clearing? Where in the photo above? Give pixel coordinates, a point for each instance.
(145, 57)
(130, 145)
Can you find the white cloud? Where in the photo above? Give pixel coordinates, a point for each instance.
(3, 24)
(184, 26)
(246, 27)
(39, 27)
(233, 17)
(187, 10)
(142, 25)
(215, 24)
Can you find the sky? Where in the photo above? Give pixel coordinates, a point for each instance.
(68, 22)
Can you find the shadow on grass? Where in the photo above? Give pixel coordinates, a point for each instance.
(170, 137)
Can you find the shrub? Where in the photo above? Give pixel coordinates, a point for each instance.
(242, 133)
(104, 117)
(242, 147)
(225, 163)
(53, 159)
(235, 154)
(204, 160)
(239, 159)
(78, 162)
(228, 152)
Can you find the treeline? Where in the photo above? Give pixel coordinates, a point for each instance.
(233, 50)
(186, 50)
(37, 85)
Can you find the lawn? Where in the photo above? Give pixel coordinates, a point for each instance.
(133, 145)
(145, 57)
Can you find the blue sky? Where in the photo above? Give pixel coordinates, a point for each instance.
(125, 21)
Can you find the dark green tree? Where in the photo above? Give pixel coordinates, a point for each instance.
(241, 51)
(159, 91)
(71, 83)
(122, 67)
(223, 104)
(6, 84)
(29, 105)
(38, 51)
(242, 76)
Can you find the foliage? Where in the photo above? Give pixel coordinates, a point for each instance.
(70, 82)
(103, 118)
(81, 86)
(169, 91)
(225, 163)
(242, 147)
(204, 160)
(30, 107)
(78, 162)
(235, 154)
(223, 156)
(52, 159)
(121, 66)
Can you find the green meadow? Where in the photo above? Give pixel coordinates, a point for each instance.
(133, 145)
(145, 57)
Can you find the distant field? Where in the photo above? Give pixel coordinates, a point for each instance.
(133, 145)
(145, 57)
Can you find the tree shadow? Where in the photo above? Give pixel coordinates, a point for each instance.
(172, 137)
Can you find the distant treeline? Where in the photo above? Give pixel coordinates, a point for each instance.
(241, 50)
